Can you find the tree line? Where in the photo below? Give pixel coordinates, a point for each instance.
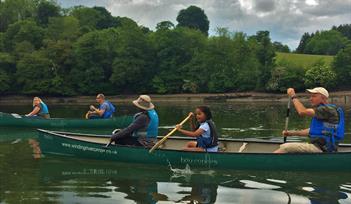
(49, 50)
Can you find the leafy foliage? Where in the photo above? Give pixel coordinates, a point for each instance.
(193, 17)
(45, 49)
(328, 42)
(320, 74)
(342, 66)
(286, 75)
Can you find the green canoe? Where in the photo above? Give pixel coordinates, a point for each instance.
(15, 120)
(234, 153)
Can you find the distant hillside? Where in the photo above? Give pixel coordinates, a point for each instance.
(303, 60)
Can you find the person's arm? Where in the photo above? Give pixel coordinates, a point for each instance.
(140, 122)
(300, 108)
(34, 111)
(101, 111)
(302, 133)
(195, 133)
(192, 121)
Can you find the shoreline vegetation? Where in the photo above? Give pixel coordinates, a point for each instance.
(339, 97)
(49, 50)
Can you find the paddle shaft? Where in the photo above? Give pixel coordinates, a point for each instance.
(168, 135)
(287, 117)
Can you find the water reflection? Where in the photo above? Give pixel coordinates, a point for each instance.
(62, 180)
(154, 184)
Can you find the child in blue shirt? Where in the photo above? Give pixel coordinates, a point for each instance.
(205, 133)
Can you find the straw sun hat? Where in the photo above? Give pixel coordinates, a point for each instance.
(144, 102)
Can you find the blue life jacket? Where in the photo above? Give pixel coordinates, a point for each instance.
(43, 109)
(208, 142)
(327, 135)
(109, 111)
(151, 131)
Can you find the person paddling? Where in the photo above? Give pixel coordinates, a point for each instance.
(105, 109)
(40, 109)
(327, 126)
(144, 129)
(205, 133)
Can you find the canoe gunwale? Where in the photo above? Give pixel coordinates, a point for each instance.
(70, 136)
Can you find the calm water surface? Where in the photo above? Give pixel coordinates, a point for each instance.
(24, 179)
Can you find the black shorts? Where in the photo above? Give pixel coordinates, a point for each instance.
(131, 141)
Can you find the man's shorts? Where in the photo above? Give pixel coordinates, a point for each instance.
(296, 147)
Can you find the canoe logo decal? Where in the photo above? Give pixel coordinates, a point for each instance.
(89, 149)
(207, 161)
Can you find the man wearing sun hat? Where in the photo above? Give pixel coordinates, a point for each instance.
(326, 129)
(144, 129)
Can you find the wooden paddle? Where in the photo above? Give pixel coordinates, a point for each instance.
(287, 117)
(159, 143)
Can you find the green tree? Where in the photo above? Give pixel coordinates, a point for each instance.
(12, 11)
(34, 74)
(165, 25)
(226, 64)
(265, 54)
(63, 28)
(93, 55)
(7, 68)
(20, 31)
(342, 66)
(174, 49)
(45, 10)
(132, 68)
(105, 19)
(23, 48)
(193, 17)
(344, 29)
(326, 42)
(88, 18)
(320, 74)
(306, 37)
(60, 54)
(123, 21)
(286, 75)
(2, 42)
(4, 82)
(279, 47)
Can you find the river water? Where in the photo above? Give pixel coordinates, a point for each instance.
(24, 179)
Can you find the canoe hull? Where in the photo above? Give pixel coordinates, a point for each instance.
(52, 144)
(9, 121)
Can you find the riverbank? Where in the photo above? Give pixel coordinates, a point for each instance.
(340, 97)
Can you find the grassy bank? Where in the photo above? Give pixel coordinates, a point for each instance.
(302, 60)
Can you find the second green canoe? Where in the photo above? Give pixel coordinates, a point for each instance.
(15, 120)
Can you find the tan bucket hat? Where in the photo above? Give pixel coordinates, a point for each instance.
(319, 90)
(144, 102)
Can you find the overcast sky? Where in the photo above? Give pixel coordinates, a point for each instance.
(287, 20)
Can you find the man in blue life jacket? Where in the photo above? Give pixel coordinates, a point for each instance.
(104, 111)
(327, 126)
(144, 129)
